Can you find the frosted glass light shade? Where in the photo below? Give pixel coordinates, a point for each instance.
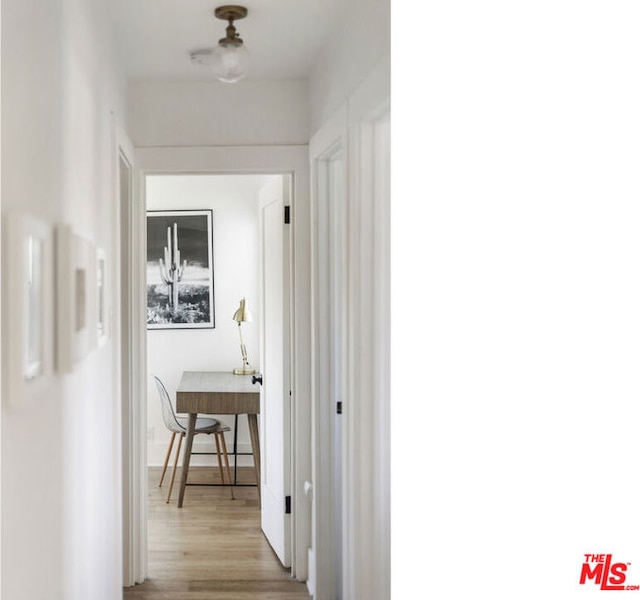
(230, 62)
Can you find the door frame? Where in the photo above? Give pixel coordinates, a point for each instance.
(235, 160)
(128, 359)
(367, 535)
(359, 130)
(329, 142)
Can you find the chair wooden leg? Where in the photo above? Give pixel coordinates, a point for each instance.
(166, 458)
(219, 456)
(175, 466)
(226, 461)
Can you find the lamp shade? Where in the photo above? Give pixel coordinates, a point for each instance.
(230, 62)
(242, 315)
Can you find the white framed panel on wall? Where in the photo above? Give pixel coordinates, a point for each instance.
(75, 297)
(28, 266)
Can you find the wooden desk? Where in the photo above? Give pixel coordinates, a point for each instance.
(217, 393)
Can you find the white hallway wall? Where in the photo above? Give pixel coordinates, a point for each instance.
(61, 515)
(218, 114)
(234, 201)
(361, 41)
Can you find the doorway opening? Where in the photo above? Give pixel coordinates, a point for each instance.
(239, 268)
(292, 163)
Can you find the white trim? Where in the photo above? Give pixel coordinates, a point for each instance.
(327, 145)
(2, 374)
(359, 131)
(277, 160)
(311, 582)
(367, 477)
(130, 359)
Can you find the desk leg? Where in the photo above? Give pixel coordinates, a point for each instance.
(255, 447)
(191, 427)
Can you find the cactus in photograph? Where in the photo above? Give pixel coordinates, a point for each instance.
(171, 270)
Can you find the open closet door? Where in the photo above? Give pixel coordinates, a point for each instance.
(275, 415)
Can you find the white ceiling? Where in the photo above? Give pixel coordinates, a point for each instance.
(283, 37)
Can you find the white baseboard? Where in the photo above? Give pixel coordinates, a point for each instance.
(311, 577)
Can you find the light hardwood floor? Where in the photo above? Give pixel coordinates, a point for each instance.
(212, 548)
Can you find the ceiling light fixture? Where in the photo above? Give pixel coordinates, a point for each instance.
(230, 58)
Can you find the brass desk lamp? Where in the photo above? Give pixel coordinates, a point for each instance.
(242, 315)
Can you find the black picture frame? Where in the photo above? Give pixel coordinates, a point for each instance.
(187, 302)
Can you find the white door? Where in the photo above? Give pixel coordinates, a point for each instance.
(275, 391)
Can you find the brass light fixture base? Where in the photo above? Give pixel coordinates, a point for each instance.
(244, 371)
(230, 12)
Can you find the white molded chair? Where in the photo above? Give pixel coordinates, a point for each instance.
(178, 426)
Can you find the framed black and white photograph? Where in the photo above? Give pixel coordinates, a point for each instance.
(180, 269)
